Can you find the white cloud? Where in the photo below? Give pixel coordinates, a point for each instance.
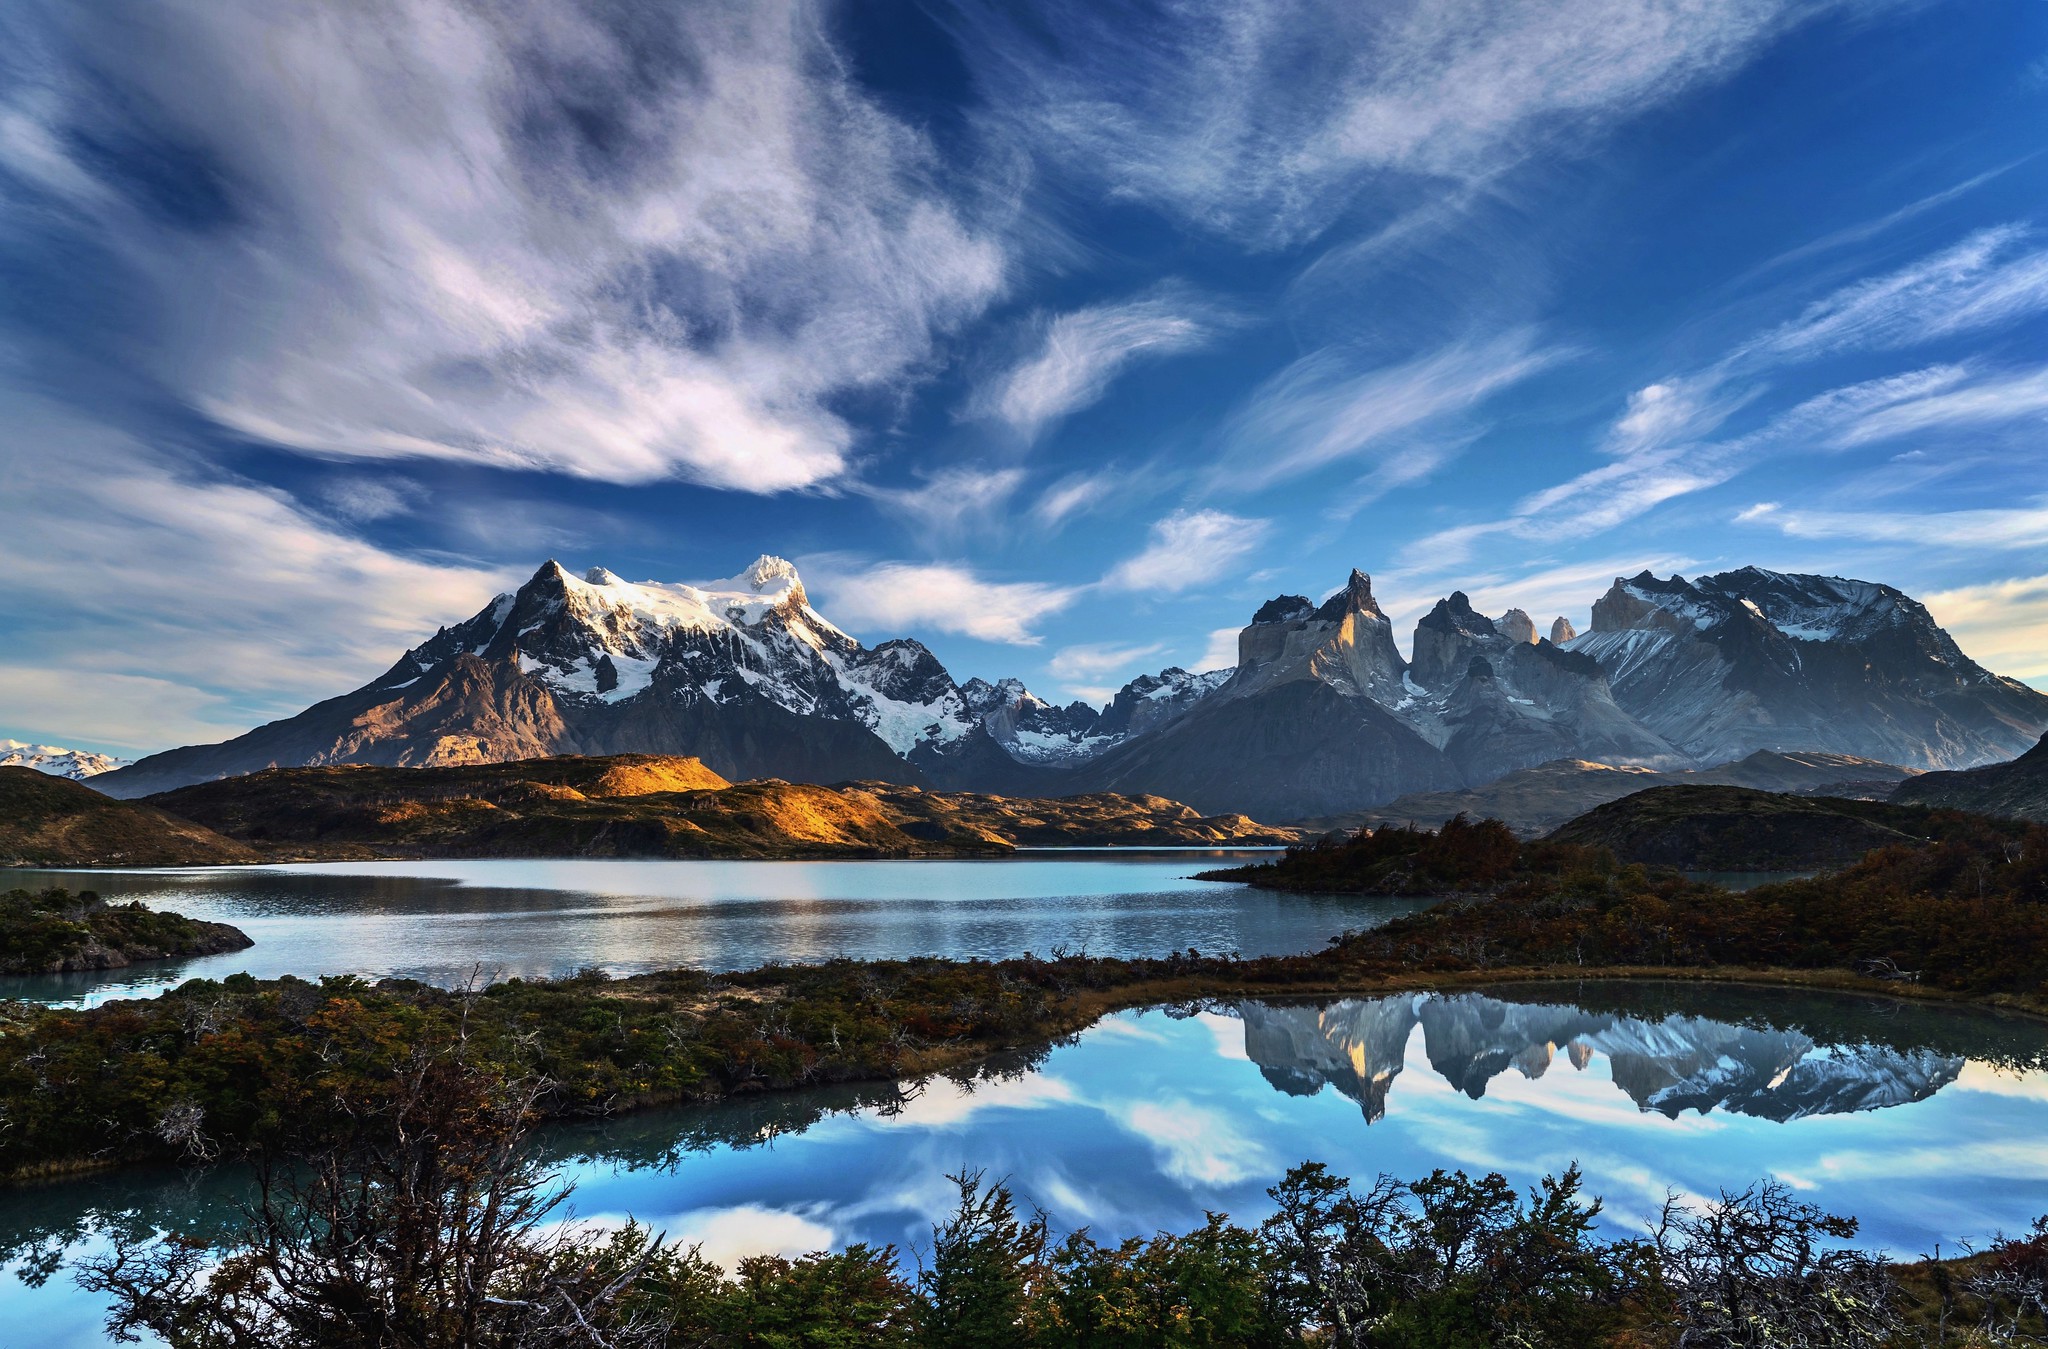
(1081, 352)
(149, 590)
(953, 499)
(531, 235)
(1951, 402)
(1187, 549)
(1320, 410)
(1973, 530)
(947, 597)
(1221, 653)
(1088, 663)
(2002, 624)
(1981, 282)
(727, 1236)
(1080, 494)
(1263, 118)
(368, 498)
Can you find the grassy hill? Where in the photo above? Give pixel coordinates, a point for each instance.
(52, 821)
(657, 806)
(1739, 829)
(2014, 791)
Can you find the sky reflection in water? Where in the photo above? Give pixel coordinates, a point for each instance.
(1913, 1119)
(1150, 1119)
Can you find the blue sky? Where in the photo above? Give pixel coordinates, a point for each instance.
(1056, 335)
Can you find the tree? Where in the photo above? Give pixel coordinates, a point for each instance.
(983, 1261)
(1759, 1268)
(414, 1218)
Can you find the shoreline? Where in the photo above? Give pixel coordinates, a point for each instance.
(1085, 1008)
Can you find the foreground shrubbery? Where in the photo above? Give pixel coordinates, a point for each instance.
(420, 1222)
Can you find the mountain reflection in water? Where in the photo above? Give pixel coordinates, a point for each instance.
(1668, 1064)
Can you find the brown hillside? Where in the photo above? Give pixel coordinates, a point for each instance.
(55, 822)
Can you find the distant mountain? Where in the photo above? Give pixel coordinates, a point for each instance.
(1300, 727)
(76, 764)
(1669, 1065)
(1753, 659)
(1534, 801)
(1322, 714)
(2017, 790)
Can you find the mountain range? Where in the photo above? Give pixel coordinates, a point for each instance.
(76, 764)
(1322, 714)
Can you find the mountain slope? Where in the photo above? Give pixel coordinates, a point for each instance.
(1753, 659)
(1533, 801)
(742, 674)
(1281, 753)
(655, 806)
(1738, 829)
(2016, 790)
(50, 821)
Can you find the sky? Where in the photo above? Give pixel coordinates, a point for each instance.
(1055, 334)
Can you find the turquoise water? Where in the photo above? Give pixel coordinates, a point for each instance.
(440, 920)
(1927, 1124)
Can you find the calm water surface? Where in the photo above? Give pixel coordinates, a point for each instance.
(534, 919)
(1927, 1124)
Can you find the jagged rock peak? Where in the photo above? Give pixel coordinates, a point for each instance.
(1284, 609)
(1355, 598)
(1456, 614)
(1517, 626)
(1561, 630)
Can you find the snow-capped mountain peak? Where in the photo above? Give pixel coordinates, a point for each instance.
(76, 764)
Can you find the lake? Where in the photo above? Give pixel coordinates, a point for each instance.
(1923, 1122)
(438, 921)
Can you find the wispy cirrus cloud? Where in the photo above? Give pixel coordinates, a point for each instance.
(893, 597)
(1092, 660)
(1187, 549)
(2003, 623)
(2004, 527)
(1323, 410)
(1078, 354)
(620, 243)
(1665, 444)
(194, 626)
(1986, 280)
(952, 499)
(1263, 118)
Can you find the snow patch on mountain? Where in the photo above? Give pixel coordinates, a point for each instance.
(58, 762)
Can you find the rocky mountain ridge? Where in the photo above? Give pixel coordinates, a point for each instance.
(1322, 713)
(76, 764)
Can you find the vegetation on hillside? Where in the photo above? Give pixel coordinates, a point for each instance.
(1463, 857)
(53, 821)
(1740, 829)
(55, 931)
(644, 805)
